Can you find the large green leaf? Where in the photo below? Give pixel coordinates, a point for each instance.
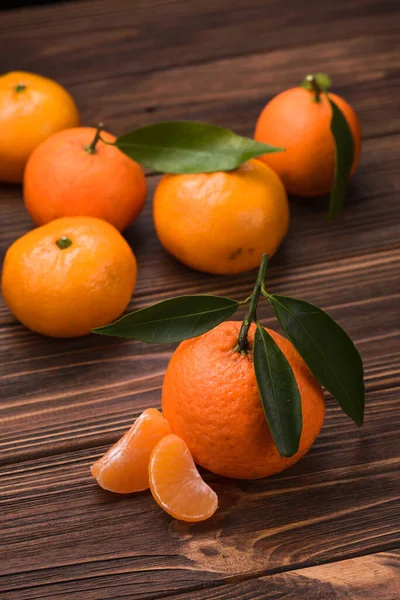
(189, 147)
(327, 350)
(344, 157)
(172, 320)
(279, 393)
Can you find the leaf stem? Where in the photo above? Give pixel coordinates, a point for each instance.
(92, 146)
(243, 342)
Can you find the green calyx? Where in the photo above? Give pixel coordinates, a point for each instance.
(318, 83)
(20, 87)
(64, 242)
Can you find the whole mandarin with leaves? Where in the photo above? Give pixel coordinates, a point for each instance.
(31, 109)
(299, 120)
(75, 173)
(69, 276)
(222, 222)
(211, 400)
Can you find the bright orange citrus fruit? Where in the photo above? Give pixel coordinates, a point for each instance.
(31, 109)
(176, 484)
(222, 222)
(66, 177)
(293, 120)
(211, 400)
(124, 468)
(67, 277)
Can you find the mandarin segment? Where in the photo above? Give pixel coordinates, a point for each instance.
(211, 400)
(176, 484)
(124, 468)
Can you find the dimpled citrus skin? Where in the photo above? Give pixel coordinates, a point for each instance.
(67, 292)
(63, 179)
(28, 117)
(294, 121)
(211, 400)
(221, 222)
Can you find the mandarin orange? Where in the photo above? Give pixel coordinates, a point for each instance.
(73, 173)
(69, 276)
(211, 400)
(222, 222)
(31, 109)
(295, 121)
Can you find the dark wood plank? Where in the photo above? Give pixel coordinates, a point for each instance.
(82, 41)
(232, 91)
(88, 389)
(341, 500)
(373, 576)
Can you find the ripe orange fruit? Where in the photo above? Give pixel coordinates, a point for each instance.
(68, 176)
(222, 222)
(176, 484)
(69, 276)
(211, 400)
(31, 109)
(293, 120)
(124, 468)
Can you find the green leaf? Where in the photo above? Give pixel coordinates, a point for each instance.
(344, 157)
(327, 350)
(279, 393)
(172, 320)
(322, 81)
(189, 147)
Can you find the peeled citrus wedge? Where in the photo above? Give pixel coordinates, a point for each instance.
(176, 484)
(125, 466)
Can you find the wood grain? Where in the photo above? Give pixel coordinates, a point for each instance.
(96, 39)
(308, 514)
(326, 528)
(374, 576)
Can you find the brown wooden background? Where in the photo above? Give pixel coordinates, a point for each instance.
(327, 528)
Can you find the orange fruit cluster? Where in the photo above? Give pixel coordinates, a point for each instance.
(76, 272)
(217, 421)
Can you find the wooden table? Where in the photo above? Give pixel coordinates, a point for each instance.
(327, 528)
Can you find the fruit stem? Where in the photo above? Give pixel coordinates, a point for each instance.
(243, 342)
(312, 80)
(92, 147)
(20, 87)
(64, 242)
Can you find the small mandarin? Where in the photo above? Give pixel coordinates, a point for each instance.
(31, 109)
(295, 121)
(220, 415)
(73, 173)
(222, 222)
(67, 277)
